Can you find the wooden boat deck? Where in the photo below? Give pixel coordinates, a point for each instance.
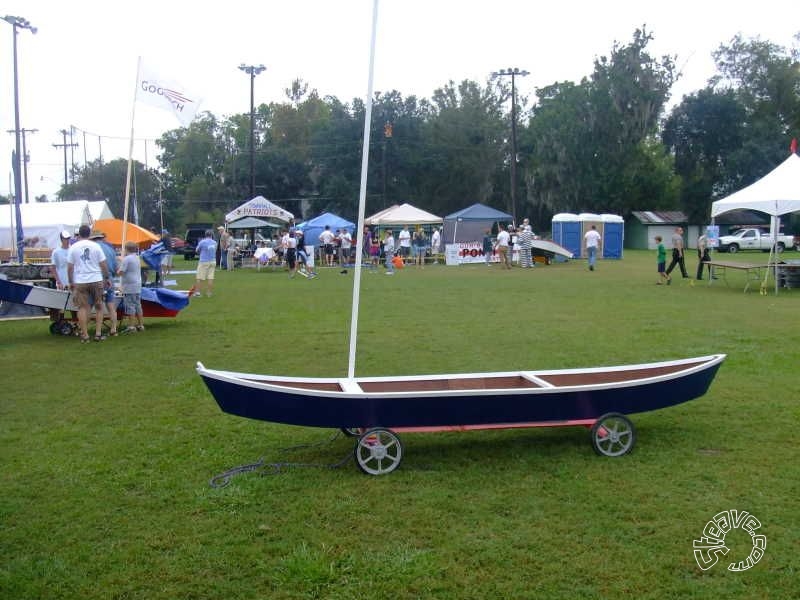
(499, 382)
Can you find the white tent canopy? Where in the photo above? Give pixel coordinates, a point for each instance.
(777, 193)
(405, 214)
(261, 208)
(45, 220)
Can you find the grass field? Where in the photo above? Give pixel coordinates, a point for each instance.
(107, 449)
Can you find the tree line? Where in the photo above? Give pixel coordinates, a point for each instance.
(604, 144)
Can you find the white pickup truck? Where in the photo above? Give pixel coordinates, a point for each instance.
(753, 239)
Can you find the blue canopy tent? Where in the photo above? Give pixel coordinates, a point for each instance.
(313, 227)
(469, 224)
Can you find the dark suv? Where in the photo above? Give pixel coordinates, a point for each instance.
(194, 233)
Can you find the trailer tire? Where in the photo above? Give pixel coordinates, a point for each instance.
(613, 435)
(378, 451)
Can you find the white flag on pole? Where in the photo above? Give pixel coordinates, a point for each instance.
(158, 91)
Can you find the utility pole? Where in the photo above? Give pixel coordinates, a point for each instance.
(65, 145)
(513, 72)
(25, 159)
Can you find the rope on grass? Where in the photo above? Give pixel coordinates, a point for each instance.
(274, 468)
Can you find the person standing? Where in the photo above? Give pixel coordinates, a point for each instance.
(661, 261)
(131, 286)
(326, 239)
(677, 253)
(207, 254)
(703, 257)
(388, 251)
(404, 239)
(420, 247)
(225, 244)
(488, 246)
(109, 297)
(166, 256)
(592, 240)
(88, 275)
(436, 244)
(291, 253)
(346, 245)
(502, 246)
(525, 241)
(59, 260)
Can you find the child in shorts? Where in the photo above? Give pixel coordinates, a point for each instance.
(661, 258)
(131, 284)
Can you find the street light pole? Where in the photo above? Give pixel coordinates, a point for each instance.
(18, 23)
(513, 73)
(252, 70)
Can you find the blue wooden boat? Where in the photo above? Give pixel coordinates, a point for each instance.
(374, 408)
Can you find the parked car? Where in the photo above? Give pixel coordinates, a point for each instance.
(753, 239)
(194, 233)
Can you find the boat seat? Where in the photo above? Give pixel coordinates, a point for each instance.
(350, 386)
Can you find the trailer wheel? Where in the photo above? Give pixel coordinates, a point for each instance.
(378, 451)
(613, 434)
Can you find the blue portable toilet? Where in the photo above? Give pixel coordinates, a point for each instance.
(566, 231)
(613, 233)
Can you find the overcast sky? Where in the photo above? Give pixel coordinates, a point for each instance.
(80, 67)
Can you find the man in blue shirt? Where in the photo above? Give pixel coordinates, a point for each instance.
(207, 253)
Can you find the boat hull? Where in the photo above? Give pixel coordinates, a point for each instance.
(279, 400)
(156, 302)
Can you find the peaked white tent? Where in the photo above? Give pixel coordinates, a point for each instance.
(777, 194)
(404, 214)
(45, 220)
(260, 208)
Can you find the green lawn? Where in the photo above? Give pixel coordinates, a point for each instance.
(106, 450)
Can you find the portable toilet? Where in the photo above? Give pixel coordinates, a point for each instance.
(566, 230)
(613, 234)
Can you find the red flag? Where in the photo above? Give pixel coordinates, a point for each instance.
(793, 146)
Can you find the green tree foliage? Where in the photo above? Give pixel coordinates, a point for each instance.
(591, 145)
(739, 127)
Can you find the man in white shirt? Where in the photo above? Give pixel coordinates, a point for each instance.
(345, 243)
(502, 247)
(436, 242)
(592, 240)
(88, 275)
(326, 239)
(404, 239)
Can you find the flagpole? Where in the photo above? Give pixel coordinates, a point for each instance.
(362, 199)
(130, 159)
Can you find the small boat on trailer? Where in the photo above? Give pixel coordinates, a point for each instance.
(156, 302)
(375, 409)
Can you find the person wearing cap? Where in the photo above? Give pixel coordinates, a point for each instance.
(166, 256)
(87, 273)
(59, 260)
(109, 298)
(207, 253)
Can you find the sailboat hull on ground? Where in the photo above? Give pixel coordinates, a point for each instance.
(501, 399)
